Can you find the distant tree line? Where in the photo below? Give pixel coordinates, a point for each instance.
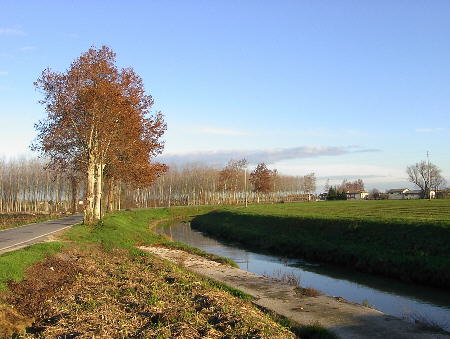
(27, 186)
(30, 186)
(198, 184)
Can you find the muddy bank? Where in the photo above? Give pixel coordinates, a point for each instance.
(345, 319)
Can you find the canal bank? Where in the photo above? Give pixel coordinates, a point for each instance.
(345, 319)
(392, 297)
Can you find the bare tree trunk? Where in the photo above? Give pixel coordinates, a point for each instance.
(74, 190)
(119, 192)
(170, 193)
(47, 194)
(90, 188)
(57, 193)
(110, 196)
(98, 192)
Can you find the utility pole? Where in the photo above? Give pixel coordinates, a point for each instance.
(245, 185)
(429, 176)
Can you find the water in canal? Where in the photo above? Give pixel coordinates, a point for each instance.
(389, 296)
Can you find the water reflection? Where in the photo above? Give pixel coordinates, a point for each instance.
(390, 296)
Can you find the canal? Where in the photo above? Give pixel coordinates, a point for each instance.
(387, 295)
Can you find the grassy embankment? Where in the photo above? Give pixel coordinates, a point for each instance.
(118, 231)
(95, 282)
(408, 240)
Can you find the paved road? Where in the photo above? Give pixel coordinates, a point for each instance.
(21, 236)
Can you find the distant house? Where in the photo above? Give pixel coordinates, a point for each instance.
(397, 193)
(358, 195)
(404, 193)
(413, 194)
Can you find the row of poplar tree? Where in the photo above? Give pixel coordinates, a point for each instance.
(29, 186)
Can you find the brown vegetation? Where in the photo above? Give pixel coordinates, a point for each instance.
(308, 292)
(263, 179)
(351, 186)
(101, 294)
(98, 123)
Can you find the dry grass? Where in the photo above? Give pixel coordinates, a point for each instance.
(12, 322)
(294, 280)
(112, 294)
(288, 278)
(308, 292)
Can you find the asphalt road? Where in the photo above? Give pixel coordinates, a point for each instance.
(26, 235)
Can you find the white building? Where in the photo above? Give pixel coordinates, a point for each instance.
(413, 194)
(404, 193)
(359, 195)
(397, 193)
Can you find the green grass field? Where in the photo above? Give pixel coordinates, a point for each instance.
(408, 240)
(405, 210)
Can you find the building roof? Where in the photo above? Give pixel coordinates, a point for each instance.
(414, 192)
(397, 190)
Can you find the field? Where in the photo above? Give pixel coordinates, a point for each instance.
(404, 210)
(95, 282)
(407, 240)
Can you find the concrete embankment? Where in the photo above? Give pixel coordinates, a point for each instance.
(347, 320)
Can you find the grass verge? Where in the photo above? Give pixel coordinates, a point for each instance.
(13, 264)
(126, 229)
(97, 283)
(407, 249)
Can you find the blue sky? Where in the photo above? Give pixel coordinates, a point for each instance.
(345, 89)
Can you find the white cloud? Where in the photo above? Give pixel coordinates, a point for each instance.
(429, 130)
(221, 131)
(268, 156)
(8, 31)
(27, 48)
(340, 171)
(323, 132)
(3, 73)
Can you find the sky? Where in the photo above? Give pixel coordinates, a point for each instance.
(344, 89)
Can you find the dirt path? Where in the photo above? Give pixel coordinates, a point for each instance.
(347, 320)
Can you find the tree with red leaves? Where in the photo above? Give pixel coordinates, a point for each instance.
(262, 179)
(98, 119)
